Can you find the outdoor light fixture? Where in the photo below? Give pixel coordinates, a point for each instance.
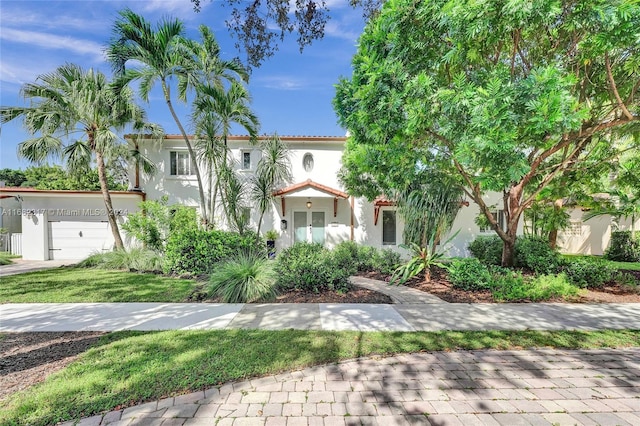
(308, 203)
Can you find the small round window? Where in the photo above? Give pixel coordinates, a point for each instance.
(307, 162)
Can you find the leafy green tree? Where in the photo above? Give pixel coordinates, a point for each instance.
(73, 101)
(261, 24)
(57, 178)
(507, 95)
(12, 177)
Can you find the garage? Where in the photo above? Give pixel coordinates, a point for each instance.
(77, 240)
(66, 225)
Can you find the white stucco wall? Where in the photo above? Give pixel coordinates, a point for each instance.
(327, 155)
(38, 208)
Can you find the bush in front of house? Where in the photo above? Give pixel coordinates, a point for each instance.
(469, 274)
(197, 252)
(487, 249)
(360, 258)
(589, 272)
(623, 247)
(244, 278)
(513, 288)
(134, 259)
(310, 267)
(534, 253)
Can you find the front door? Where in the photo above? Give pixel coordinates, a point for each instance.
(308, 227)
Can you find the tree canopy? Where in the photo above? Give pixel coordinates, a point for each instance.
(260, 25)
(505, 95)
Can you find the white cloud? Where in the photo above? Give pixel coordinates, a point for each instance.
(338, 30)
(282, 82)
(53, 41)
(25, 17)
(179, 7)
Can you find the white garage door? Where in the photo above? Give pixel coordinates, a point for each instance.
(77, 240)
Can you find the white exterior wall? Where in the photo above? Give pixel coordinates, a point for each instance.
(592, 236)
(327, 156)
(40, 208)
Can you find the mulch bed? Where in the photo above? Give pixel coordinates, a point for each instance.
(440, 286)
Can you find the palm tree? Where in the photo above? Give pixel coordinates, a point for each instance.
(214, 111)
(163, 56)
(274, 169)
(230, 106)
(73, 101)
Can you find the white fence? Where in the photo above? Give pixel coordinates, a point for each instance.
(15, 244)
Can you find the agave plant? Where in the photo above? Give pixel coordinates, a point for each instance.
(423, 259)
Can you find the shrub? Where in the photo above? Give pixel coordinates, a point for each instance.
(534, 253)
(623, 248)
(310, 267)
(469, 274)
(137, 259)
(360, 258)
(513, 287)
(509, 285)
(487, 249)
(384, 261)
(589, 272)
(197, 251)
(627, 281)
(244, 278)
(156, 220)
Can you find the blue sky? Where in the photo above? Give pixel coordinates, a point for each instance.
(291, 92)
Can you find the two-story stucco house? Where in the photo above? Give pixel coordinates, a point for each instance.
(314, 207)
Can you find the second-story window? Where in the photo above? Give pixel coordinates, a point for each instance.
(246, 160)
(181, 164)
(307, 162)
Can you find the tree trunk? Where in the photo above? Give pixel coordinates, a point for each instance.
(111, 216)
(553, 239)
(192, 154)
(508, 252)
(427, 275)
(260, 220)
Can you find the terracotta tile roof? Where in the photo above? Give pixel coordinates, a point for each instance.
(311, 184)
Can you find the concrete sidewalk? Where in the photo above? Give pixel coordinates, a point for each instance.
(323, 316)
(529, 387)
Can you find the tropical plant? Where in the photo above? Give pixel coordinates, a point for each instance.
(503, 96)
(244, 278)
(469, 274)
(158, 55)
(423, 259)
(72, 101)
(134, 259)
(271, 235)
(273, 170)
(429, 207)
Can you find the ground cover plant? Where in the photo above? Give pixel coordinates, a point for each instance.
(5, 258)
(70, 285)
(127, 368)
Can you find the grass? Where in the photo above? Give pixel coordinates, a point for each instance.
(5, 258)
(71, 285)
(127, 368)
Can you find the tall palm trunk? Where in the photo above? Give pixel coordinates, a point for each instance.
(192, 154)
(111, 216)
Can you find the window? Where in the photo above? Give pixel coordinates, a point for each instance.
(500, 217)
(181, 164)
(307, 162)
(388, 227)
(246, 160)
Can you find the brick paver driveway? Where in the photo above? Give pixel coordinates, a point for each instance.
(529, 387)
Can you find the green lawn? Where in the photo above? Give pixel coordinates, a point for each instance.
(92, 285)
(127, 368)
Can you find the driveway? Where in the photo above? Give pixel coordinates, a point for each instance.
(20, 266)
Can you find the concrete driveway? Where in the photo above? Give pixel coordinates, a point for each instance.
(20, 266)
